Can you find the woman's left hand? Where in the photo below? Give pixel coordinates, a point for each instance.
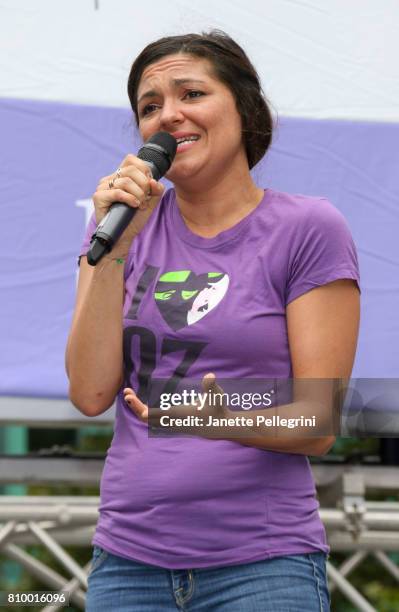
(215, 409)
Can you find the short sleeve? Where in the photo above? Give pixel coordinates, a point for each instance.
(322, 251)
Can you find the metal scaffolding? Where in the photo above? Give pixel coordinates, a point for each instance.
(355, 525)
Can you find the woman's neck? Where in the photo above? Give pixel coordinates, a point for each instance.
(221, 205)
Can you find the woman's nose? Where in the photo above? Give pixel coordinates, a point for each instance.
(171, 114)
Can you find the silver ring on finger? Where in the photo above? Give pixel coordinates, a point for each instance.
(119, 173)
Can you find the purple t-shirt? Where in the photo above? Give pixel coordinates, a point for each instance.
(186, 502)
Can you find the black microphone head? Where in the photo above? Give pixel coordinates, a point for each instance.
(159, 151)
(166, 141)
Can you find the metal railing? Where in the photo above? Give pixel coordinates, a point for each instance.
(355, 525)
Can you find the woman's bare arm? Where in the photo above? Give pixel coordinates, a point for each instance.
(94, 360)
(94, 353)
(323, 327)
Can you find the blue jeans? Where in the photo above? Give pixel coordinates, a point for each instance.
(294, 583)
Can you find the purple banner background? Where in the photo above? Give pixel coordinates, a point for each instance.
(53, 155)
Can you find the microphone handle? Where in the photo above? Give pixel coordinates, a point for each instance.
(113, 225)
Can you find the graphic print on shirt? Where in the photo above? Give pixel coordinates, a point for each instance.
(183, 297)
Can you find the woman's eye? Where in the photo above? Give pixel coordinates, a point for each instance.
(148, 109)
(194, 94)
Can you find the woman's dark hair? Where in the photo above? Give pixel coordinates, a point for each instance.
(232, 67)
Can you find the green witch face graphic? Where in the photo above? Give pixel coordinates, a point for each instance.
(184, 297)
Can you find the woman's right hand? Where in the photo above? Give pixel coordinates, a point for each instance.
(135, 187)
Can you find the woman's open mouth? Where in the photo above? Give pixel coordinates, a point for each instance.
(186, 142)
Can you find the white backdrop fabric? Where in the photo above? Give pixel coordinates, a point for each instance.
(329, 68)
(316, 58)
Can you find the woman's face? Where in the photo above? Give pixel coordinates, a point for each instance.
(179, 94)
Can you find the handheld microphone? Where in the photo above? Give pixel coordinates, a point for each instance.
(158, 153)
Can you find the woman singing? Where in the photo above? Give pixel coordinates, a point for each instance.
(217, 275)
